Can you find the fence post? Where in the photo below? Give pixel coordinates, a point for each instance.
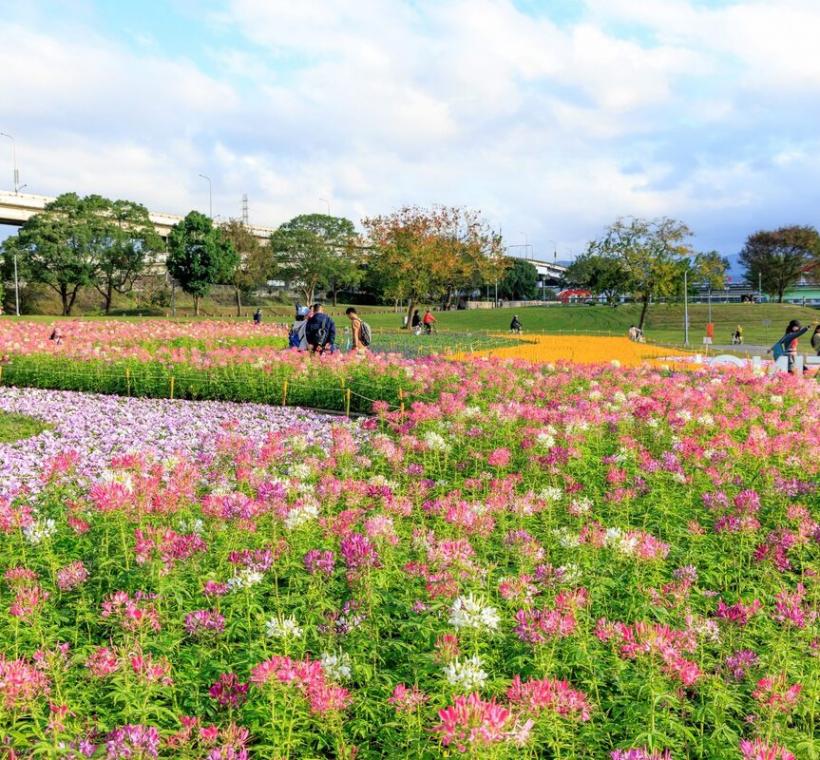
(172, 386)
(1, 374)
(128, 381)
(347, 402)
(401, 402)
(285, 393)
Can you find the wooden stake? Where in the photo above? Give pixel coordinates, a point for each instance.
(347, 402)
(172, 386)
(285, 393)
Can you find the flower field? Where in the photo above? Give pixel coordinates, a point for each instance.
(506, 561)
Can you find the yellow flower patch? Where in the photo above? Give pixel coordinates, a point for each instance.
(580, 349)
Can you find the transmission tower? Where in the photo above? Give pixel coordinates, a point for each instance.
(245, 209)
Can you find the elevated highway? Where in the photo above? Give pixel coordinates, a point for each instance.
(17, 208)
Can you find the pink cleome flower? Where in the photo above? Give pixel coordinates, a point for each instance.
(552, 695)
(472, 722)
(21, 683)
(758, 749)
(405, 699)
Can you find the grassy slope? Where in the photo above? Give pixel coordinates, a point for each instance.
(664, 323)
(13, 427)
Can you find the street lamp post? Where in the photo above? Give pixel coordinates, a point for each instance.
(16, 287)
(16, 174)
(210, 195)
(327, 203)
(685, 308)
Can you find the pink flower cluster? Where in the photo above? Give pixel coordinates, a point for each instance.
(21, 683)
(655, 639)
(538, 626)
(308, 676)
(547, 694)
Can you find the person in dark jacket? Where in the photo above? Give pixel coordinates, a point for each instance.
(320, 331)
(515, 325)
(416, 320)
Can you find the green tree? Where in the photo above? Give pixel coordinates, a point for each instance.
(650, 251)
(59, 246)
(603, 275)
(777, 259)
(199, 256)
(255, 263)
(520, 281)
(314, 251)
(124, 238)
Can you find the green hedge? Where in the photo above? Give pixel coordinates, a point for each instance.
(317, 386)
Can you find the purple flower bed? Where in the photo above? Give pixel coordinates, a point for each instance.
(98, 427)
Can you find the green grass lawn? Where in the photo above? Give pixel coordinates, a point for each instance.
(13, 427)
(762, 323)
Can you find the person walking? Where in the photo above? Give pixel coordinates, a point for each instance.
(320, 331)
(360, 332)
(257, 317)
(788, 344)
(416, 320)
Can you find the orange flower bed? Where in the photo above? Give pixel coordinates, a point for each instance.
(580, 349)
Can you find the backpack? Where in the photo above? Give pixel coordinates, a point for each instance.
(365, 336)
(316, 331)
(777, 350)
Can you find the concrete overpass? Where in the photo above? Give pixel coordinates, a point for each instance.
(17, 208)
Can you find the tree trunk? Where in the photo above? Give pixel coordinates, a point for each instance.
(410, 305)
(644, 309)
(64, 299)
(335, 293)
(108, 296)
(238, 302)
(72, 298)
(196, 306)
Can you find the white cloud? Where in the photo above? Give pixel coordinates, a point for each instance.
(551, 129)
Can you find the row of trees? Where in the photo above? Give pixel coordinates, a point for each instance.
(413, 254)
(410, 255)
(648, 259)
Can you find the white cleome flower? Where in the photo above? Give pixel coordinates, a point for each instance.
(435, 441)
(336, 665)
(40, 530)
(566, 538)
(469, 612)
(245, 579)
(300, 471)
(467, 674)
(283, 628)
(302, 514)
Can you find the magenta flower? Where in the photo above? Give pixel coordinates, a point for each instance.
(229, 691)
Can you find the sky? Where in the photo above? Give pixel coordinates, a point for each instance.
(551, 117)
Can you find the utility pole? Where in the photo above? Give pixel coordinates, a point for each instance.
(245, 209)
(760, 287)
(16, 175)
